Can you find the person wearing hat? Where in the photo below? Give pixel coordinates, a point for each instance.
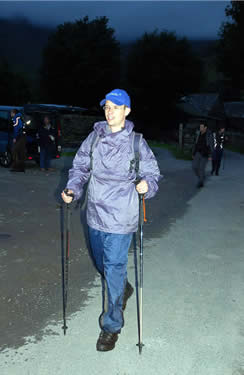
(112, 204)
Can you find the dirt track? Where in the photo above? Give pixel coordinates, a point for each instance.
(193, 303)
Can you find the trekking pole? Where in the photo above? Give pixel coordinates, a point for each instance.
(65, 263)
(142, 218)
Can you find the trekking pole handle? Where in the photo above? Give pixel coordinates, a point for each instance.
(66, 192)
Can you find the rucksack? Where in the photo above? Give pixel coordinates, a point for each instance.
(135, 161)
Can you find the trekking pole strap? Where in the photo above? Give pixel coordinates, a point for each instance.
(143, 218)
(144, 210)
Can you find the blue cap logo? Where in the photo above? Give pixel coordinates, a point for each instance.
(117, 96)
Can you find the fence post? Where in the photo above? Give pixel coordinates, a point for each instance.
(181, 136)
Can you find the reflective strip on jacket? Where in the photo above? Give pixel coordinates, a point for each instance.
(18, 125)
(112, 204)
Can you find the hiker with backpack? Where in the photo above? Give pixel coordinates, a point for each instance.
(19, 142)
(106, 160)
(219, 139)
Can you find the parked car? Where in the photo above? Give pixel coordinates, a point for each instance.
(32, 116)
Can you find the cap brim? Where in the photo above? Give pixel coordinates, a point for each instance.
(113, 100)
(102, 102)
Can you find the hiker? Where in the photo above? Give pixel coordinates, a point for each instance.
(19, 142)
(219, 139)
(107, 161)
(202, 151)
(46, 137)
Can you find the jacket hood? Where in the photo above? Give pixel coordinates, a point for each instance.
(101, 128)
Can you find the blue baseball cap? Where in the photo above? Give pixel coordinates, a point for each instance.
(117, 96)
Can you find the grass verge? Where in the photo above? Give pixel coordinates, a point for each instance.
(174, 149)
(239, 149)
(69, 153)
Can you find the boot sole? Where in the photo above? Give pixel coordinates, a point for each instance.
(105, 348)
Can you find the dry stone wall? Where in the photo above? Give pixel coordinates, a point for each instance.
(75, 128)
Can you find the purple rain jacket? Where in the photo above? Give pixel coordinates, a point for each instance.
(112, 201)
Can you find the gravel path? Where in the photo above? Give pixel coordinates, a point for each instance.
(193, 291)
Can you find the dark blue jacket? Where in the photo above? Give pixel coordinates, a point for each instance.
(18, 125)
(44, 137)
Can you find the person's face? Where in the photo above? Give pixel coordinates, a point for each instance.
(203, 128)
(222, 130)
(46, 120)
(12, 113)
(115, 115)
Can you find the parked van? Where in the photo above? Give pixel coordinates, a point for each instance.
(32, 116)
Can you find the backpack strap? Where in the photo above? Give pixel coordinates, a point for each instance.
(93, 145)
(135, 162)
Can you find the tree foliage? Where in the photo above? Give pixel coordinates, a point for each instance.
(161, 68)
(14, 87)
(231, 48)
(80, 63)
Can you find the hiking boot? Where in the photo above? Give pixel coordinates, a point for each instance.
(127, 294)
(200, 185)
(106, 341)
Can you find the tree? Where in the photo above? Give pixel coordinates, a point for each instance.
(80, 63)
(14, 87)
(230, 47)
(161, 68)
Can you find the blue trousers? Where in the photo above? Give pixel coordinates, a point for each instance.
(45, 157)
(110, 255)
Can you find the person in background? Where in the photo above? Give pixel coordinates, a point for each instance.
(202, 151)
(46, 142)
(219, 139)
(19, 142)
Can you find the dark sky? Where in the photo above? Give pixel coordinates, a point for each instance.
(130, 19)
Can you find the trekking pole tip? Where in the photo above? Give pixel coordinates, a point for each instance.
(140, 345)
(65, 328)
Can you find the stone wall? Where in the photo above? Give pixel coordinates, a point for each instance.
(75, 128)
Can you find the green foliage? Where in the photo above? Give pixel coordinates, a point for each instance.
(236, 148)
(14, 87)
(69, 153)
(230, 47)
(80, 63)
(161, 68)
(173, 148)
